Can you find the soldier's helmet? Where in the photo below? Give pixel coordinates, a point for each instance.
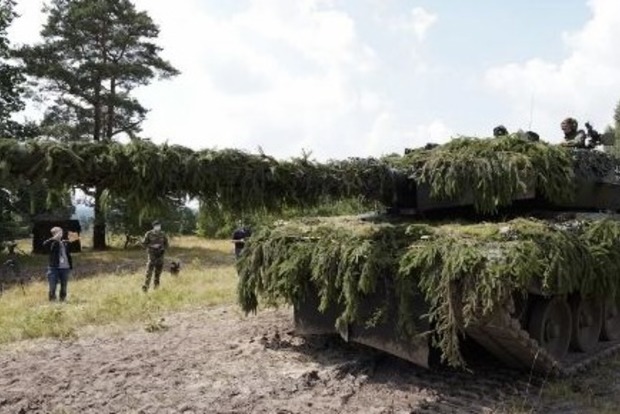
(499, 131)
(430, 146)
(532, 136)
(569, 125)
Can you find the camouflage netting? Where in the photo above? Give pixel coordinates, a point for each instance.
(144, 173)
(493, 170)
(497, 171)
(465, 271)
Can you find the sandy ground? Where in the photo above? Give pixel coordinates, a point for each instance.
(218, 361)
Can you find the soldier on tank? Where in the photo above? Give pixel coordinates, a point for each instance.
(532, 136)
(156, 242)
(573, 136)
(527, 135)
(500, 131)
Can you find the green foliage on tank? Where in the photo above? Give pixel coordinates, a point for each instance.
(465, 271)
(493, 170)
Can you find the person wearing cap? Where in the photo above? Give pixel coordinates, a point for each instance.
(59, 265)
(156, 242)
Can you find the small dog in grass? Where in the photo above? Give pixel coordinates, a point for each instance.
(175, 267)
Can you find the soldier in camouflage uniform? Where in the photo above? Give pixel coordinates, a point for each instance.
(573, 136)
(156, 243)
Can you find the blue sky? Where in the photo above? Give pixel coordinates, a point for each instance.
(367, 77)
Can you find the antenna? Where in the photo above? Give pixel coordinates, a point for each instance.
(531, 111)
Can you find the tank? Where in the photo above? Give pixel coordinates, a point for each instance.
(512, 244)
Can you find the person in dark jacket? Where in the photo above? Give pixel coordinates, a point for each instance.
(59, 265)
(156, 243)
(239, 237)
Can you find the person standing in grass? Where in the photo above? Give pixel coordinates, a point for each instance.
(239, 237)
(156, 242)
(59, 265)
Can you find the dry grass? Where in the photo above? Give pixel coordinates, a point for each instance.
(105, 289)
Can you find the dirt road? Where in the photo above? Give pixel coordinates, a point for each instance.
(217, 361)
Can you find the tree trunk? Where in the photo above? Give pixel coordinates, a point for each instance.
(99, 220)
(97, 107)
(99, 242)
(110, 111)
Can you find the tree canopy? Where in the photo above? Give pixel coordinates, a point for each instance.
(11, 77)
(94, 53)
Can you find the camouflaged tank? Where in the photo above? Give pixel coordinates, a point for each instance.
(512, 244)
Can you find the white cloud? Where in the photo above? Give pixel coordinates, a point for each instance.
(418, 22)
(586, 84)
(279, 74)
(26, 28)
(389, 135)
(436, 131)
(421, 21)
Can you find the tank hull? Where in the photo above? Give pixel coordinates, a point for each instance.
(551, 332)
(382, 334)
(504, 335)
(509, 334)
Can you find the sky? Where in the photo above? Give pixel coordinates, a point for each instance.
(359, 78)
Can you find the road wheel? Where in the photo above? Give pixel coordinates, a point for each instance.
(611, 320)
(587, 318)
(550, 325)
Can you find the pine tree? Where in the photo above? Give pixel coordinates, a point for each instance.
(11, 77)
(93, 55)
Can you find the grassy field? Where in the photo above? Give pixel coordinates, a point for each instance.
(105, 288)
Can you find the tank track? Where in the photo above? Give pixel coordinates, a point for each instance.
(505, 338)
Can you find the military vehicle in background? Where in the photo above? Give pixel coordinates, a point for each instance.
(545, 322)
